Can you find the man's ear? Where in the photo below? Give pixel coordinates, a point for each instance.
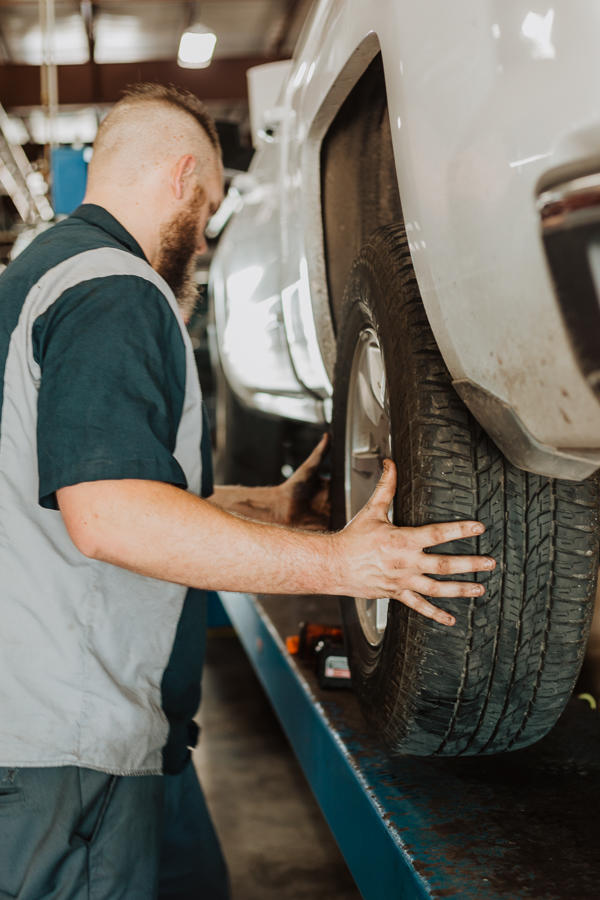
(180, 172)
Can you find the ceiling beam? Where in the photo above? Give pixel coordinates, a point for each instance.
(224, 79)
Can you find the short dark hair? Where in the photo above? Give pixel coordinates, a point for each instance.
(174, 96)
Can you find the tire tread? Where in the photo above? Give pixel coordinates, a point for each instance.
(510, 663)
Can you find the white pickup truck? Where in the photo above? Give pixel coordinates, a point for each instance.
(415, 259)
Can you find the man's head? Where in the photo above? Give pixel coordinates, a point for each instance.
(157, 168)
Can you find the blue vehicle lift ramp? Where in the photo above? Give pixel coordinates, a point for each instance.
(519, 825)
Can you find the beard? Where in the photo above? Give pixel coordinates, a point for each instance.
(177, 254)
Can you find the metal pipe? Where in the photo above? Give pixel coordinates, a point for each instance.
(48, 71)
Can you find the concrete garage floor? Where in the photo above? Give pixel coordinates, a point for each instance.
(274, 837)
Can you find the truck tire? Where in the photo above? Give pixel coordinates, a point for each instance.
(499, 679)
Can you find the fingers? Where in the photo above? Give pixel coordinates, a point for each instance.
(443, 532)
(427, 609)
(383, 494)
(454, 565)
(434, 588)
(322, 445)
(315, 457)
(313, 461)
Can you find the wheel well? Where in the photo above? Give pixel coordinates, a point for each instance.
(359, 187)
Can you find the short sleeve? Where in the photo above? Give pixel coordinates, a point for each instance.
(112, 362)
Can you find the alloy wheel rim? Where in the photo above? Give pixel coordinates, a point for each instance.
(368, 442)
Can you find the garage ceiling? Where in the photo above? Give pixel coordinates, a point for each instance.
(102, 46)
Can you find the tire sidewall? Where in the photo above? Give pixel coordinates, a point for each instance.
(393, 680)
(366, 299)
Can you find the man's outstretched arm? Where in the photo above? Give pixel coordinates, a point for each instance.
(163, 532)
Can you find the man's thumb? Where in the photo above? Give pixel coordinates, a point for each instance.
(383, 494)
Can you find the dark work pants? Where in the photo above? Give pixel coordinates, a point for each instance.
(191, 861)
(74, 834)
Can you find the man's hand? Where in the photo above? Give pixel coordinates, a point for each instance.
(303, 500)
(381, 560)
(300, 502)
(161, 531)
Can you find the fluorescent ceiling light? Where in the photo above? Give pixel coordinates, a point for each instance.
(69, 43)
(120, 38)
(196, 47)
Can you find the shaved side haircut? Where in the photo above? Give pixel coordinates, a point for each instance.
(177, 97)
(149, 123)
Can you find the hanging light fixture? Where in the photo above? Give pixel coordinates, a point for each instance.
(196, 47)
